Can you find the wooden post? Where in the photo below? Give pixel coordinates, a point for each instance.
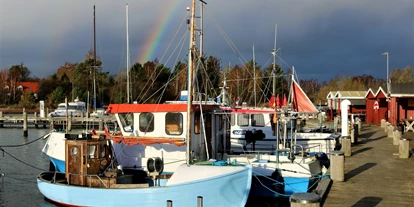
(24, 122)
(70, 122)
(305, 200)
(169, 203)
(346, 146)
(383, 123)
(1, 121)
(101, 125)
(404, 148)
(396, 137)
(36, 121)
(337, 165)
(51, 123)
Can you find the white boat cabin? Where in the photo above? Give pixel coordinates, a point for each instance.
(159, 130)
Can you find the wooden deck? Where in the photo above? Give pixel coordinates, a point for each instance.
(374, 174)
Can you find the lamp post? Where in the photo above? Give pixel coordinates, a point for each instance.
(388, 81)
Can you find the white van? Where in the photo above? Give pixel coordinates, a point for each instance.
(77, 108)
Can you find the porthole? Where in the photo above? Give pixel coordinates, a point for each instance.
(74, 151)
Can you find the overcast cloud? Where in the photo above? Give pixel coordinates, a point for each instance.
(321, 38)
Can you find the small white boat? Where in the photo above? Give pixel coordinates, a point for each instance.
(76, 108)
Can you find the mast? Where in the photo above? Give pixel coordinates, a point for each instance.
(254, 78)
(94, 60)
(190, 86)
(127, 59)
(274, 64)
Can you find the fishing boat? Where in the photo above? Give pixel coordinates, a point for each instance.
(94, 176)
(247, 119)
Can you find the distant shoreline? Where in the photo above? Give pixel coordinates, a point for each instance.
(18, 110)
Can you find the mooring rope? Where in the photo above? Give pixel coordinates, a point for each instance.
(20, 145)
(21, 160)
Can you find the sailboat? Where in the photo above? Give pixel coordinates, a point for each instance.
(94, 176)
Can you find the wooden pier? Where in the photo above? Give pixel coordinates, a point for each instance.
(34, 121)
(374, 174)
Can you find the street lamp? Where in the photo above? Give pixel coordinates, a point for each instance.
(388, 81)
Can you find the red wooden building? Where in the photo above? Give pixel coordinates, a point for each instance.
(401, 102)
(376, 106)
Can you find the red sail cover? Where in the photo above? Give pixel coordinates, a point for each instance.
(301, 102)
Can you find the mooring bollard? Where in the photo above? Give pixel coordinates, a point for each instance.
(346, 146)
(199, 201)
(404, 148)
(396, 137)
(304, 200)
(386, 127)
(359, 123)
(390, 131)
(337, 165)
(24, 122)
(383, 122)
(169, 203)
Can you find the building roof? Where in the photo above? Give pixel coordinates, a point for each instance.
(351, 94)
(331, 95)
(370, 92)
(402, 89)
(29, 86)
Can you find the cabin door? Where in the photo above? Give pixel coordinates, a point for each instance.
(75, 162)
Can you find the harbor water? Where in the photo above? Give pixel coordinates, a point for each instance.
(21, 160)
(20, 166)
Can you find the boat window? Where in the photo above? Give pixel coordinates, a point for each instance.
(146, 122)
(127, 121)
(91, 152)
(197, 122)
(61, 107)
(257, 120)
(103, 151)
(74, 150)
(233, 119)
(243, 119)
(174, 123)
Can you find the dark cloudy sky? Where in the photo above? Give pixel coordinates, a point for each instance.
(320, 38)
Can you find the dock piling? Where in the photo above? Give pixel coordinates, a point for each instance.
(169, 203)
(1, 121)
(24, 122)
(404, 148)
(337, 166)
(346, 146)
(304, 200)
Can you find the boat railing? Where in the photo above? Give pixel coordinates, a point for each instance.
(76, 174)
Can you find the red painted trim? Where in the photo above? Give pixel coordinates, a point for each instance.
(138, 108)
(59, 203)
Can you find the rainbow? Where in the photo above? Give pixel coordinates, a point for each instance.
(148, 49)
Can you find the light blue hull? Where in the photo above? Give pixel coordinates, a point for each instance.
(59, 164)
(266, 188)
(227, 190)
